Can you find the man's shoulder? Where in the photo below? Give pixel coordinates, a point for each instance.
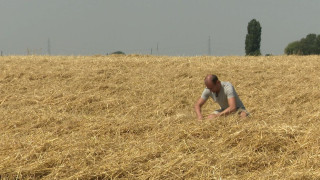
(226, 83)
(227, 86)
(206, 93)
(206, 90)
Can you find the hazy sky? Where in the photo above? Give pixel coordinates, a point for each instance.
(177, 27)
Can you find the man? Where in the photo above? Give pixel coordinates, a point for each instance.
(224, 94)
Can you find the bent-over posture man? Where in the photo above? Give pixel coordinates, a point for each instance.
(224, 94)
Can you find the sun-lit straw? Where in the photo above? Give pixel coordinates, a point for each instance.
(132, 117)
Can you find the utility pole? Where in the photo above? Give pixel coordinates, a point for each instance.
(209, 46)
(157, 48)
(49, 47)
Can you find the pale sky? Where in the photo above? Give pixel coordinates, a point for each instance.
(176, 27)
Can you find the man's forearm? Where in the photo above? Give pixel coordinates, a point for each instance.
(198, 112)
(198, 106)
(227, 111)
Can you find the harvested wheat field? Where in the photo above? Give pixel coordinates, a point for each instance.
(132, 117)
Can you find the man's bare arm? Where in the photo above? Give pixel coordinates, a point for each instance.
(232, 107)
(198, 106)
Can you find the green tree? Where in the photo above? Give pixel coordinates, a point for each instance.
(308, 44)
(253, 38)
(293, 48)
(318, 44)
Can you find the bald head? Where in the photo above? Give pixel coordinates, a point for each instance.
(210, 79)
(212, 83)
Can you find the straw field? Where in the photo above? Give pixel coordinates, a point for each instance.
(132, 117)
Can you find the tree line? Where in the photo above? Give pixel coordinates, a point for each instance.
(306, 46)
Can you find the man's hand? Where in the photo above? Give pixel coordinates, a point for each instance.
(212, 116)
(200, 118)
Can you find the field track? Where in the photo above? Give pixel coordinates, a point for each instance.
(132, 117)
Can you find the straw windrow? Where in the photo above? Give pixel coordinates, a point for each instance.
(131, 117)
